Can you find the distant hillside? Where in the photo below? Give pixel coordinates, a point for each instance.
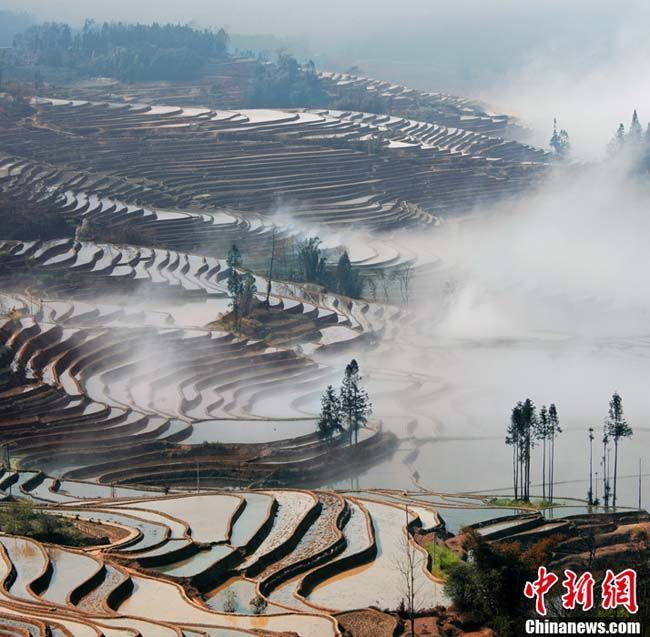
(56, 53)
(128, 52)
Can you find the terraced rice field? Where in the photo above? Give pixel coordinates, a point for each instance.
(450, 110)
(280, 560)
(185, 184)
(208, 517)
(133, 411)
(365, 585)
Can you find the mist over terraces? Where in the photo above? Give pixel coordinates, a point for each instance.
(225, 347)
(122, 325)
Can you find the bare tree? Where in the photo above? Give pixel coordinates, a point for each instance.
(554, 430)
(408, 562)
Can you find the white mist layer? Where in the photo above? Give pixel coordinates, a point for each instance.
(590, 89)
(570, 259)
(547, 298)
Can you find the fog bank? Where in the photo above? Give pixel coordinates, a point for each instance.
(546, 298)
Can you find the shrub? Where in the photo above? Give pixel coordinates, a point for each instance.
(22, 518)
(258, 604)
(443, 559)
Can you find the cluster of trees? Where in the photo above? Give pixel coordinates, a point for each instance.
(347, 411)
(286, 83)
(560, 143)
(24, 519)
(634, 139)
(313, 268)
(241, 287)
(527, 428)
(146, 63)
(308, 265)
(489, 587)
(615, 429)
(129, 52)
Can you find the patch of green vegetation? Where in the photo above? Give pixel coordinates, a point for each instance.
(442, 559)
(273, 326)
(488, 588)
(535, 505)
(23, 518)
(313, 268)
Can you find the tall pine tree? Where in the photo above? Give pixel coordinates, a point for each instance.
(234, 262)
(529, 423)
(521, 434)
(329, 422)
(348, 281)
(560, 142)
(513, 437)
(355, 404)
(235, 282)
(617, 428)
(618, 141)
(553, 430)
(542, 430)
(635, 133)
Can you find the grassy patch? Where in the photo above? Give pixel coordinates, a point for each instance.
(442, 559)
(271, 325)
(22, 518)
(536, 505)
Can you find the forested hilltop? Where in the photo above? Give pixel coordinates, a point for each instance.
(57, 53)
(180, 65)
(128, 52)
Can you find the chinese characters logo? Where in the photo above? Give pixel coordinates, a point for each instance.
(616, 590)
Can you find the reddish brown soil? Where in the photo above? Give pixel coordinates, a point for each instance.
(367, 623)
(113, 533)
(442, 625)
